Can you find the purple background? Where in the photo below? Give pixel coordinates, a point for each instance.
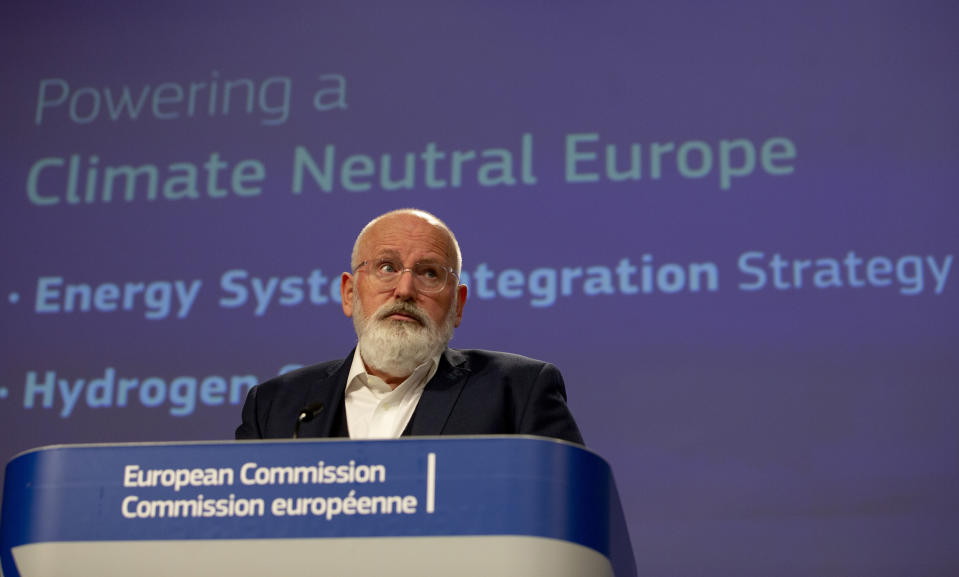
(795, 432)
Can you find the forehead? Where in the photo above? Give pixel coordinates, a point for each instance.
(408, 236)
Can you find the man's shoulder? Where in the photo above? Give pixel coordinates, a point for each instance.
(480, 359)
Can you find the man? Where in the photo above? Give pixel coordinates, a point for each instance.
(401, 379)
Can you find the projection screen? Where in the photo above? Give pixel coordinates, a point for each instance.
(731, 225)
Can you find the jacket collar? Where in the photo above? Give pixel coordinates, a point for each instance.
(329, 390)
(440, 395)
(432, 412)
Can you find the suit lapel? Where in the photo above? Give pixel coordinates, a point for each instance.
(329, 391)
(440, 395)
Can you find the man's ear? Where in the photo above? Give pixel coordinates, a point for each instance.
(346, 293)
(460, 303)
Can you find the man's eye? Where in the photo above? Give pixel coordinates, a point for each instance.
(427, 270)
(386, 268)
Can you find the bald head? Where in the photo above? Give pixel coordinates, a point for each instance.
(403, 218)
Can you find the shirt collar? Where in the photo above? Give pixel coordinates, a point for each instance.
(358, 377)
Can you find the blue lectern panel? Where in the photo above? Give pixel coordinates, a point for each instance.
(505, 505)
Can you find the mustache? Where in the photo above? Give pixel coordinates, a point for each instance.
(405, 308)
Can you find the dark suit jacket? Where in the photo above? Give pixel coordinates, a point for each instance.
(473, 392)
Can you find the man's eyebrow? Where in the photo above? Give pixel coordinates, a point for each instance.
(385, 254)
(390, 254)
(393, 257)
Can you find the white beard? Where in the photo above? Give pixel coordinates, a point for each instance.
(398, 347)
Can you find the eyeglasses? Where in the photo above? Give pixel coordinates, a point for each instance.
(428, 277)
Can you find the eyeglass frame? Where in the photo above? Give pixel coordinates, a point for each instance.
(399, 273)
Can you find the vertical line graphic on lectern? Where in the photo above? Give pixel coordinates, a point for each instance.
(430, 482)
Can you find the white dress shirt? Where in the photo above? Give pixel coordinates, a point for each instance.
(373, 410)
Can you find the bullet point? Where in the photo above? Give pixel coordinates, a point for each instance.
(14, 298)
(3, 392)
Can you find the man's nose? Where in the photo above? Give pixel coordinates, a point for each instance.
(405, 288)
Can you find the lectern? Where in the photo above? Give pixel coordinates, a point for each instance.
(451, 506)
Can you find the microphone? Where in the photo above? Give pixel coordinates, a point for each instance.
(308, 413)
